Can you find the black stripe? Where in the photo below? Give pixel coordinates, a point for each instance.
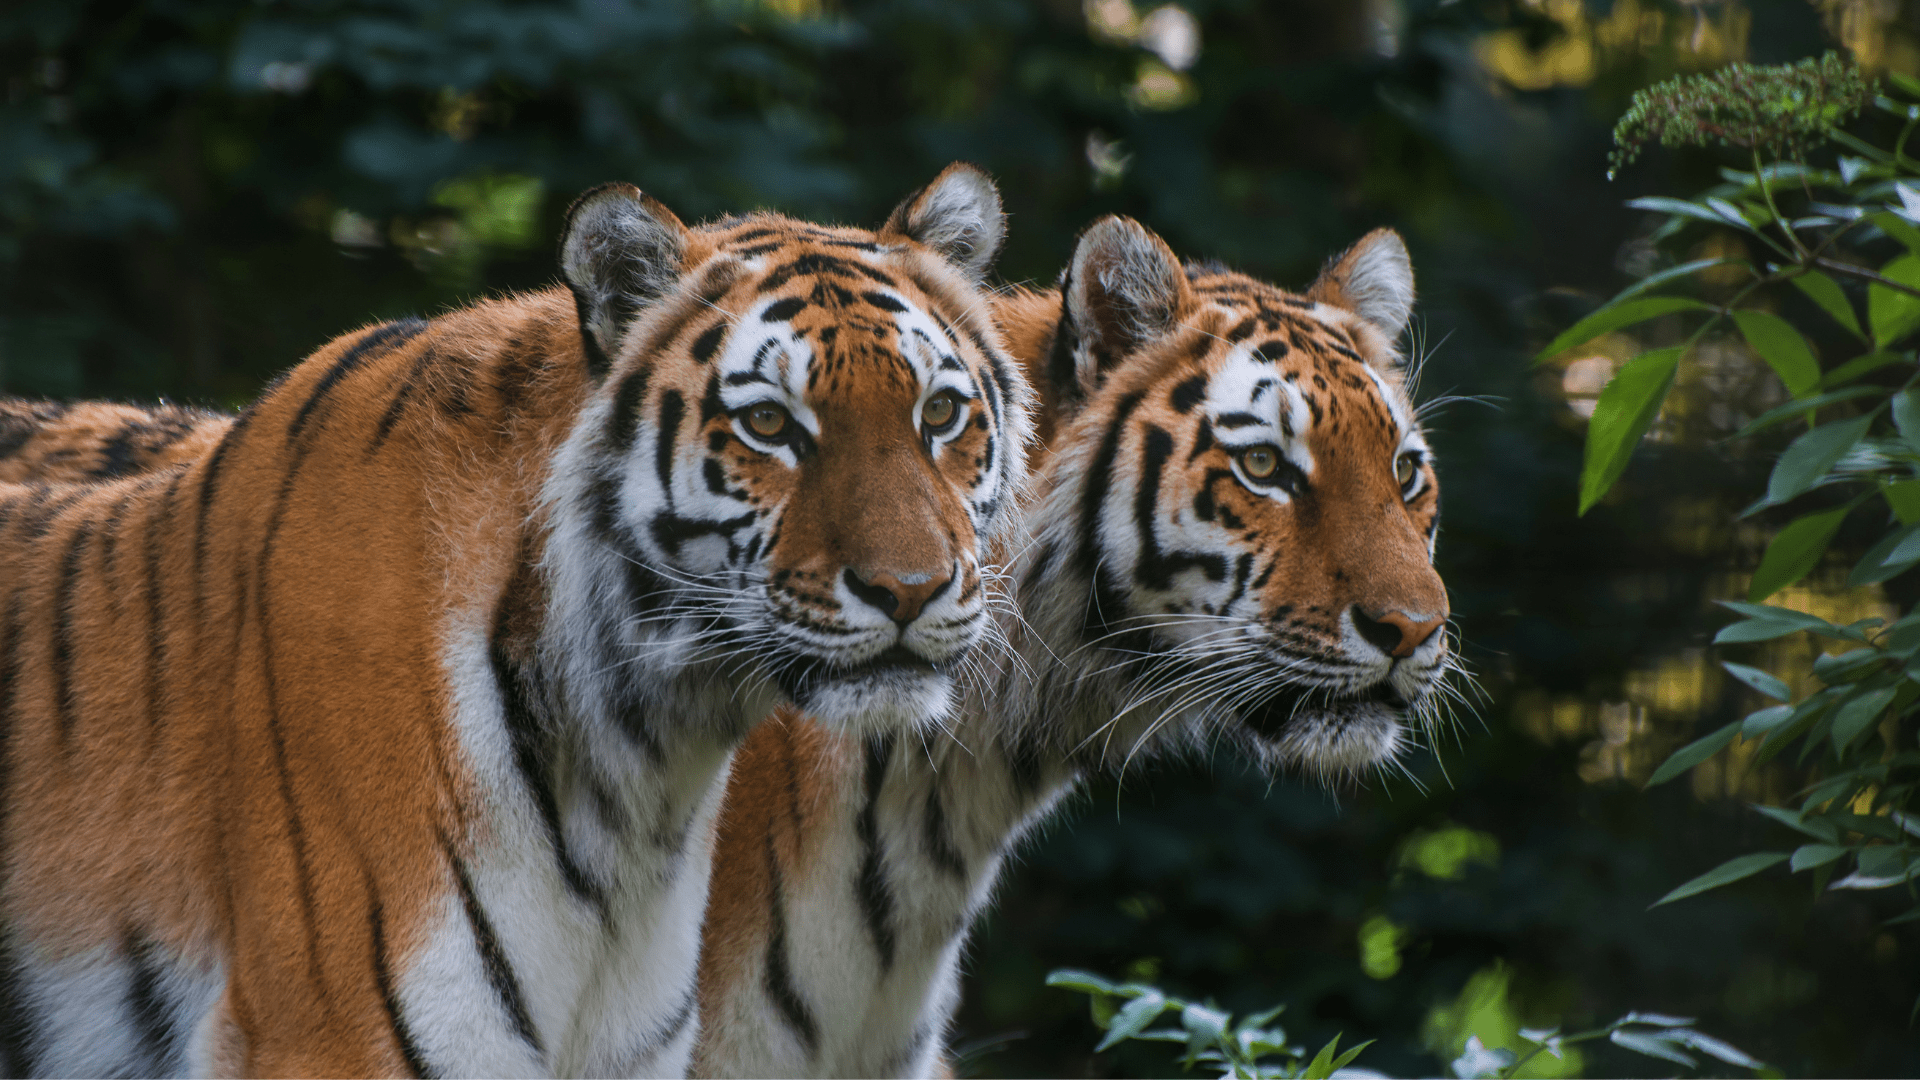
(493, 958)
(382, 338)
(673, 408)
(708, 342)
(296, 829)
(530, 759)
(778, 976)
(597, 359)
(383, 978)
(939, 838)
(876, 899)
(392, 416)
(156, 628)
(209, 488)
(651, 1043)
(159, 1039)
(627, 399)
(1154, 567)
(65, 698)
(1104, 601)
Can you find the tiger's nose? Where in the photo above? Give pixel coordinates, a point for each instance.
(898, 596)
(1394, 632)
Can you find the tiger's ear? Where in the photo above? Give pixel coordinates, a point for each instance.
(1374, 280)
(1123, 291)
(620, 250)
(958, 215)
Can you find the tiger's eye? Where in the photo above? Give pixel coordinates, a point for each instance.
(1404, 467)
(1260, 461)
(938, 411)
(767, 421)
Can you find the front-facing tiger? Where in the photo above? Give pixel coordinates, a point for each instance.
(386, 735)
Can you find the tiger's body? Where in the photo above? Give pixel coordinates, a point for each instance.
(1167, 602)
(388, 735)
(48, 442)
(849, 870)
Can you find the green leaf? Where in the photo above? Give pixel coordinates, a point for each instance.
(1877, 564)
(1807, 856)
(1759, 680)
(1806, 461)
(1134, 1018)
(1625, 410)
(1906, 415)
(1654, 281)
(1346, 1058)
(1782, 413)
(1680, 207)
(1782, 347)
(1656, 1019)
(1084, 981)
(1858, 366)
(1832, 299)
(1857, 715)
(1898, 228)
(1894, 314)
(1794, 552)
(1818, 828)
(1614, 316)
(1726, 873)
(1651, 1045)
(1759, 723)
(1693, 754)
(1850, 666)
(1322, 1065)
(1204, 1028)
(1719, 1048)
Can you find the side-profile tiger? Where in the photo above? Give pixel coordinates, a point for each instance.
(1234, 523)
(387, 735)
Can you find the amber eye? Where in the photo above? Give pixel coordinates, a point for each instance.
(1260, 461)
(767, 420)
(1404, 468)
(939, 410)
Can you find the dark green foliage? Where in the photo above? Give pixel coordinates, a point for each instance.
(176, 219)
(1781, 110)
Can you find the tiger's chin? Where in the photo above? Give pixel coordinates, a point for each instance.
(1329, 735)
(896, 689)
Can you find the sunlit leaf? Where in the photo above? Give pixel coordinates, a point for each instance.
(1719, 1048)
(1625, 410)
(1656, 1019)
(1816, 827)
(1084, 981)
(1857, 715)
(1832, 299)
(1613, 317)
(1652, 1046)
(1134, 1018)
(1782, 347)
(1726, 873)
(1794, 552)
(1693, 754)
(1322, 1065)
(1655, 280)
(1894, 314)
(1806, 461)
(1680, 207)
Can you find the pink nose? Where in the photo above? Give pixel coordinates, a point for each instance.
(1394, 632)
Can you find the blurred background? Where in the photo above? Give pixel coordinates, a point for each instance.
(195, 193)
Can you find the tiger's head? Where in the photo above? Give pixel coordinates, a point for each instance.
(804, 440)
(1240, 527)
